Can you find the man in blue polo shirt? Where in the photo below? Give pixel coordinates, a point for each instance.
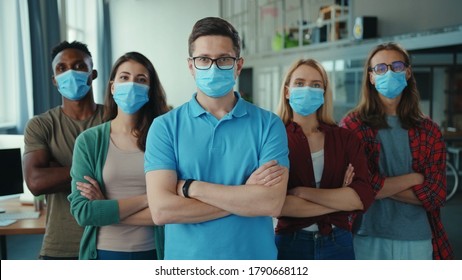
(217, 166)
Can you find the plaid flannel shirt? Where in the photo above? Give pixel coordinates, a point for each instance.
(428, 158)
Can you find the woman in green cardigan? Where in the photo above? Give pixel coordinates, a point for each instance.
(108, 184)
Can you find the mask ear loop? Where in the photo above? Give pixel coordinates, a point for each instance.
(408, 71)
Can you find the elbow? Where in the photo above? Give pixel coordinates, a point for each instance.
(276, 213)
(354, 201)
(357, 205)
(81, 222)
(276, 209)
(34, 187)
(159, 220)
(80, 212)
(158, 217)
(81, 219)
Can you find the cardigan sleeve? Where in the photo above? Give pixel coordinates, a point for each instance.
(85, 163)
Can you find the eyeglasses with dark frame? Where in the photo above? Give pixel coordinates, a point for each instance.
(395, 66)
(223, 63)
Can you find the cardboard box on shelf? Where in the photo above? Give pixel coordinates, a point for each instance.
(333, 12)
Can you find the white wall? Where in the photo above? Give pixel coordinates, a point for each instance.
(159, 29)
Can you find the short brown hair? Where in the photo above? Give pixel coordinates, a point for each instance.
(214, 26)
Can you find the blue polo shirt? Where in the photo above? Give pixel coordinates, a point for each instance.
(196, 145)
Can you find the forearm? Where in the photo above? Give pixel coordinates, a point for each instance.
(131, 205)
(299, 208)
(407, 196)
(340, 199)
(173, 209)
(397, 184)
(140, 218)
(243, 200)
(167, 207)
(46, 180)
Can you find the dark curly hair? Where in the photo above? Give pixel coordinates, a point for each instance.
(66, 45)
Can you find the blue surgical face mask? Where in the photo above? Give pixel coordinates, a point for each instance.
(306, 100)
(215, 82)
(391, 84)
(73, 84)
(130, 96)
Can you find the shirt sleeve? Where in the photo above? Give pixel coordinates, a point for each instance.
(35, 137)
(432, 164)
(361, 181)
(275, 146)
(89, 212)
(371, 148)
(159, 154)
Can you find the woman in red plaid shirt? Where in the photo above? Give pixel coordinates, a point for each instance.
(328, 178)
(410, 180)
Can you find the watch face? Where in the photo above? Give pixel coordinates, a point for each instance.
(358, 29)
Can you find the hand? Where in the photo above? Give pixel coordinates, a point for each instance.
(268, 174)
(90, 190)
(349, 174)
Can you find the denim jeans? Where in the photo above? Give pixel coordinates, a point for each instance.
(114, 255)
(306, 245)
(377, 248)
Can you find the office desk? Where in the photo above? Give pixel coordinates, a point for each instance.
(26, 226)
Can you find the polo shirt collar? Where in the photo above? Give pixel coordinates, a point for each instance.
(195, 108)
(239, 110)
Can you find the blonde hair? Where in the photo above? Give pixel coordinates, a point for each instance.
(325, 113)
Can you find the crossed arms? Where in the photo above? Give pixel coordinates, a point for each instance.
(262, 195)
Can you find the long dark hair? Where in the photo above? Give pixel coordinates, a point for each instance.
(370, 108)
(155, 107)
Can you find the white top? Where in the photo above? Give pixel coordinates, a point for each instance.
(318, 167)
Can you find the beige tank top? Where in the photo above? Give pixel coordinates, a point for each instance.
(123, 176)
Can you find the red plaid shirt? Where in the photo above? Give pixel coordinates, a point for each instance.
(340, 148)
(428, 158)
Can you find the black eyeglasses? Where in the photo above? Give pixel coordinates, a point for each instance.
(395, 66)
(223, 63)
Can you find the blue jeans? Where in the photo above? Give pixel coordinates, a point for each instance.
(377, 248)
(114, 255)
(306, 245)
